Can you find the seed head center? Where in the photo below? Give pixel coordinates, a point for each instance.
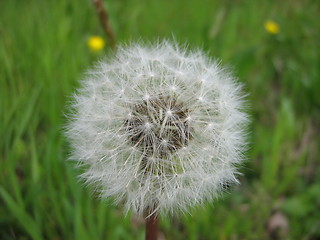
(159, 125)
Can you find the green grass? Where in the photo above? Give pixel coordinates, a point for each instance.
(43, 55)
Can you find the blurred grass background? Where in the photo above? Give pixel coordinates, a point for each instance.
(43, 54)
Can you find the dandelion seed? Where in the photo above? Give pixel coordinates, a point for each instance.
(272, 27)
(168, 141)
(96, 43)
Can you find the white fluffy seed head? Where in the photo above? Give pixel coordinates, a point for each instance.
(159, 128)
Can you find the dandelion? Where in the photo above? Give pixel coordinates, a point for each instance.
(159, 128)
(272, 27)
(96, 43)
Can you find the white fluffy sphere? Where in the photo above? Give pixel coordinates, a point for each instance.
(158, 127)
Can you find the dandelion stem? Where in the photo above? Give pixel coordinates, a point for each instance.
(104, 19)
(152, 227)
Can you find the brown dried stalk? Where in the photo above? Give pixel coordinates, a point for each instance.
(104, 20)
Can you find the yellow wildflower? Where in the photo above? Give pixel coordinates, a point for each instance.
(272, 27)
(96, 43)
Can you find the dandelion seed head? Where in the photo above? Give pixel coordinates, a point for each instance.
(159, 128)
